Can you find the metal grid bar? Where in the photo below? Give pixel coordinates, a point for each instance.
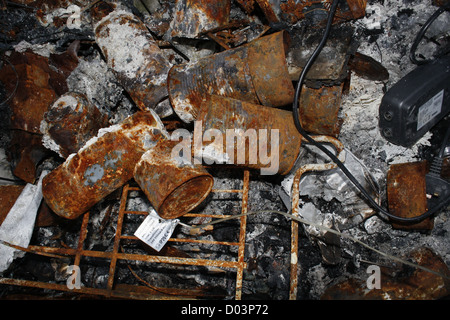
(135, 291)
(295, 206)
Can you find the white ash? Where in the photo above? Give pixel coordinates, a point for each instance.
(93, 78)
(44, 49)
(127, 58)
(318, 276)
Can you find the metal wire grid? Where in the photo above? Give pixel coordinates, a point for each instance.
(136, 291)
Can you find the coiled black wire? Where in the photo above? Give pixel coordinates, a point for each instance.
(421, 33)
(333, 157)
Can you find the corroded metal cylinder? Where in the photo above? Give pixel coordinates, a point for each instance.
(70, 122)
(173, 185)
(255, 73)
(264, 137)
(104, 164)
(194, 17)
(134, 57)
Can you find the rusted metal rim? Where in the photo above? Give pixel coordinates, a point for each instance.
(173, 185)
(182, 200)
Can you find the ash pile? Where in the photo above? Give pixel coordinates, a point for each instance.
(157, 149)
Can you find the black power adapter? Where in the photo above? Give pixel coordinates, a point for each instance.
(416, 103)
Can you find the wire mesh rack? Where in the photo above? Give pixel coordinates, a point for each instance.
(78, 254)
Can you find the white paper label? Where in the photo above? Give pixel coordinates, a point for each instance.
(156, 231)
(430, 109)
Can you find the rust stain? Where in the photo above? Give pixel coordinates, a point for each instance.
(223, 113)
(269, 13)
(421, 285)
(236, 73)
(71, 126)
(319, 110)
(8, 196)
(100, 10)
(247, 5)
(406, 192)
(101, 167)
(293, 11)
(194, 17)
(367, 67)
(38, 86)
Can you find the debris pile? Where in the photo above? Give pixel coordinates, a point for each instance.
(165, 115)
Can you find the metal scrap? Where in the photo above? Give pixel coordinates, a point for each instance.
(236, 73)
(104, 164)
(194, 17)
(407, 196)
(138, 63)
(222, 113)
(70, 122)
(173, 185)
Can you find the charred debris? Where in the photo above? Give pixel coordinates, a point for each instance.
(107, 191)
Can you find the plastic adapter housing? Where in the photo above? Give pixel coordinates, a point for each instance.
(412, 106)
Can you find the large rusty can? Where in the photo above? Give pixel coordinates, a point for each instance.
(133, 56)
(104, 164)
(173, 184)
(406, 193)
(70, 122)
(255, 72)
(230, 131)
(195, 17)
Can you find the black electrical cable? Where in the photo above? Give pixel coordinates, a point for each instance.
(333, 157)
(421, 33)
(444, 143)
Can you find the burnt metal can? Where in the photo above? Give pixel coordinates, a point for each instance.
(103, 165)
(255, 72)
(230, 131)
(195, 17)
(134, 57)
(70, 122)
(406, 193)
(173, 184)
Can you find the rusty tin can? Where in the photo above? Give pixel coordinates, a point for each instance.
(247, 135)
(173, 184)
(134, 57)
(407, 196)
(70, 122)
(195, 17)
(104, 164)
(255, 72)
(319, 109)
